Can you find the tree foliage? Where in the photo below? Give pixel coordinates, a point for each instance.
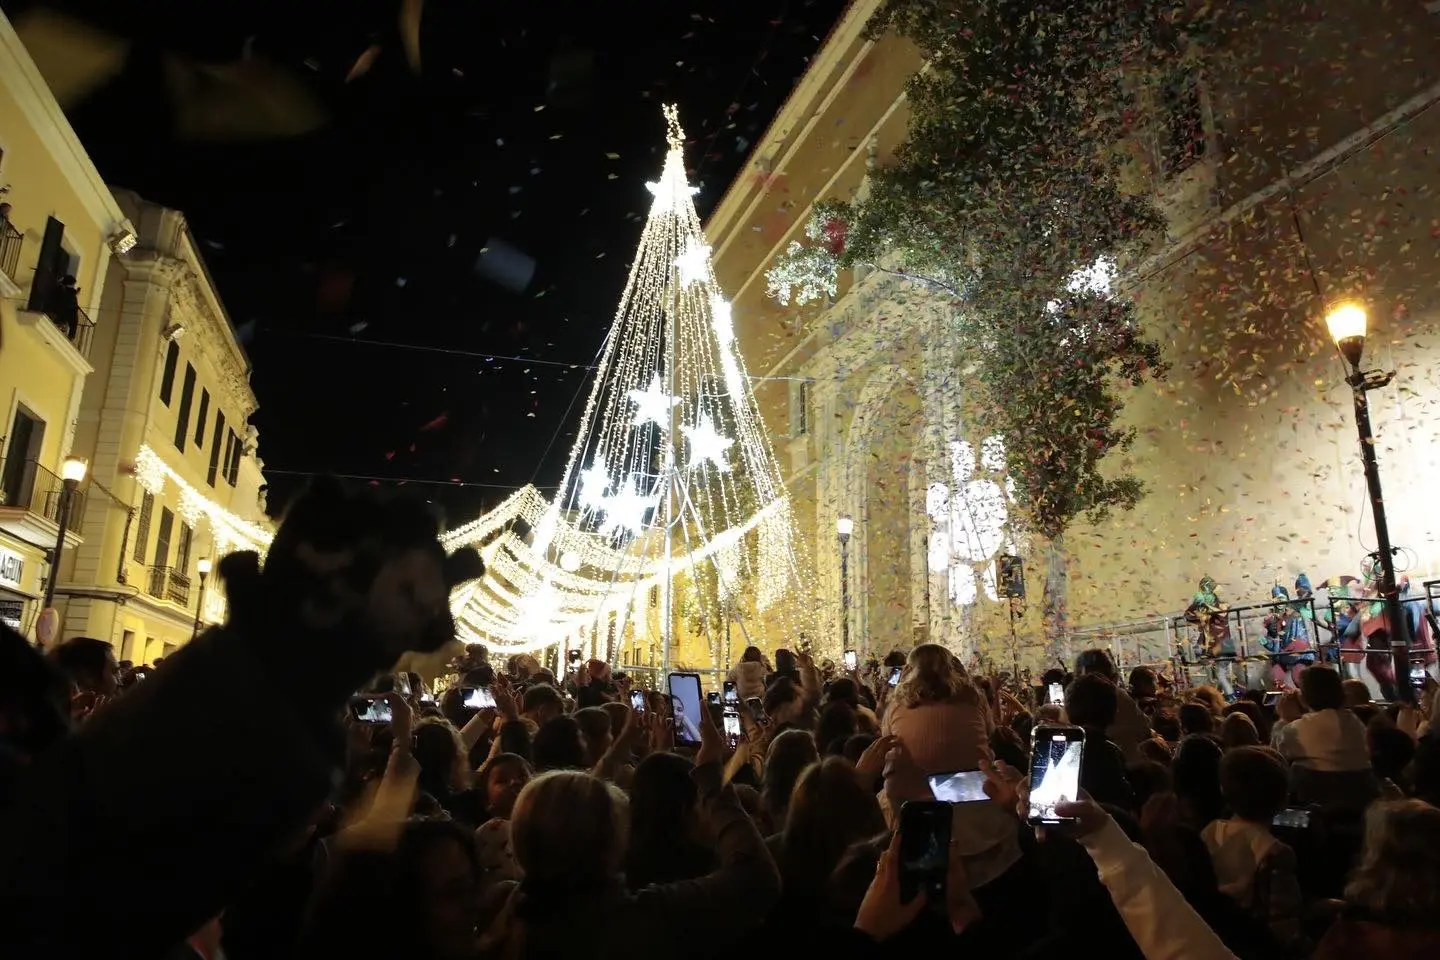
(1007, 190)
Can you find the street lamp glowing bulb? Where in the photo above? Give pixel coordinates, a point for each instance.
(73, 469)
(845, 526)
(202, 566)
(569, 561)
(1346, 320)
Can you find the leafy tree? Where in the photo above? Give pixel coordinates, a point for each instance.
(1007, 196)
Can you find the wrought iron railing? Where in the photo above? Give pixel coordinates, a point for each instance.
(167, 583)
(26, 485)
(11, 243)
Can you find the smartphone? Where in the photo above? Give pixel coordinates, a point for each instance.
(477, 698)
(962, 786)
(895, 675)
(712, 697)
(1418, 676)
(924, 849)
(637, 701)
(850, 660)
(370, 709)
(1056, 694)
(732, 726)
(757, 709)
(573, 656)
(688, 702)
(1297, 818)
(401, 684)
(1056, 753)
(729, 695)
(1272, 697)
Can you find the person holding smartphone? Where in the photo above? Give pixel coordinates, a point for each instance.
(749, 674)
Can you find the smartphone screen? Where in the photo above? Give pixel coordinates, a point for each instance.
(401, 684)
(477, 698)
(370, 709)
(757, 709)
(924, 849)
(732, 725)
(1056, 694)
(895, 675)
(712, 697)
(1297, 818)
(963, 786)
(1272, 697)
(637, 700)
(687, 704)
(1056, 753)
(850, 660)
(729, 695)
(574, 656)
(1417, 676)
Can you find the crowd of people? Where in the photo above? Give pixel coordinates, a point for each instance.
(273, 790)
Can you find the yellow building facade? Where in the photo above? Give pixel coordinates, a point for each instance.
(58, 220)
(165, 425)
(1248, 448)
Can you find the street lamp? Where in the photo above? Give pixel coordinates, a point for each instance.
(202, 567)
(844, 527)
(72, 471)
(1346, 321)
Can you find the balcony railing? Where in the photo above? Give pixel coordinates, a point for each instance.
(82, 330)
(11, 242)
(25, 485)
(167, 583)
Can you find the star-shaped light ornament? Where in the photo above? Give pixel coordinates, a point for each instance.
(707, 443)
(694, 263)
(626, 510)
(722, 321)
(670, 195)
(653, 404)
(593, 484)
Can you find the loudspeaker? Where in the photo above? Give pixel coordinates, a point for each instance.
(1010, 577)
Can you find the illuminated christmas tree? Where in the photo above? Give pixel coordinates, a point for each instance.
(671, 484)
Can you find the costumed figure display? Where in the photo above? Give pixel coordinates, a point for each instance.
(1366, 638)
(1287, 634)
(1342, 607)
(1213, 643)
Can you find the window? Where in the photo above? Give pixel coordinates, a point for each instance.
(200, 420)
(182, 419)
(162, 539)
(17, 483)
(167, 379)
(229, 454)
(237, 450)
(799, 407)
(182, 549)
(215, 448)
(1182, 139)
(142, 526)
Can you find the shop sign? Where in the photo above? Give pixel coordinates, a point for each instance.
(12, 569)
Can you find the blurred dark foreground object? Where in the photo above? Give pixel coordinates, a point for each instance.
(197, 779)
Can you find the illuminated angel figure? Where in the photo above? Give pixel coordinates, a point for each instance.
(969, 524)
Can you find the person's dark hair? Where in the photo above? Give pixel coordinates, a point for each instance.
(34, 696)
(781, 691)
(1366, 712)
(1256, 713)
(1391, 749)
(1321, 688)
(829, 811)
(1196, 774)
(541, 695)
(1006, 744)
(1167, 725)
(1023, 723)
(83, 660)
(790, 753)
(1147, 778)
(557, 745)
(515, 738)
(1143, 682)
(1254, 782)
(481, 676)
(1092, 701)
(594, 723)
(752, 655)
(786, 663)
(856, 746)
(1195, 717)
(843, 689)
(896, 658)
(662, 813)
(1098, 661)
(437, 751)
(1055, 675)
(837, 724)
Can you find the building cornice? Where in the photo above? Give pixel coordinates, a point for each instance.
(20, 76)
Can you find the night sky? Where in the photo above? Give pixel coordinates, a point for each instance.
(350, 257)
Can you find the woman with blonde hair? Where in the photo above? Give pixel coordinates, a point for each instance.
(569, 833)
(939, 714)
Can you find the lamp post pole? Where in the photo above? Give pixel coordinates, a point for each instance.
(202, 567)
(72, 471)
(844, 526)
(1347, 327)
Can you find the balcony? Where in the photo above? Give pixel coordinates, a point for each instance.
(30, 503)
(11, 242)
(167, 583)
(53, 324)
